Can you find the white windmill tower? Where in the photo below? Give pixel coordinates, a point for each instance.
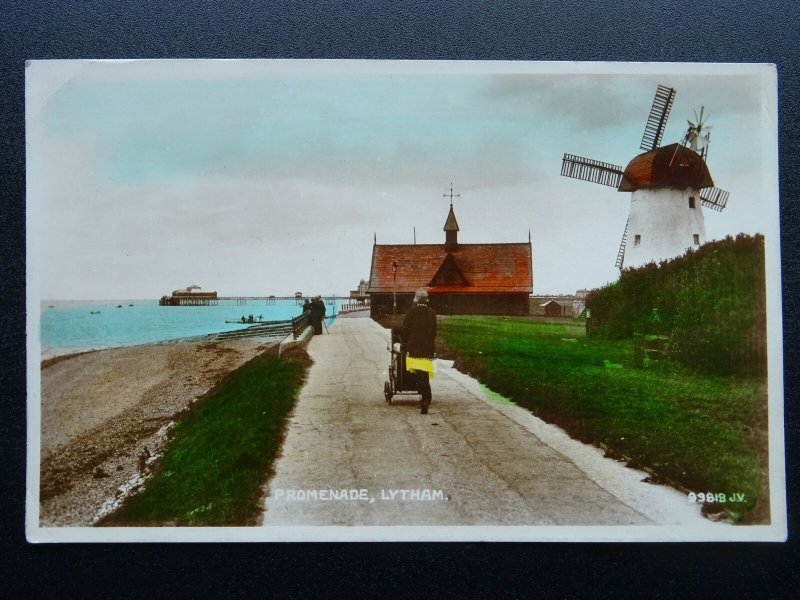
(668, 185)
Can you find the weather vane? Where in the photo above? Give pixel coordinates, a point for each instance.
(451, 195)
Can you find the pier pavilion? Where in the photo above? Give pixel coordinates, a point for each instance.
(191, 296)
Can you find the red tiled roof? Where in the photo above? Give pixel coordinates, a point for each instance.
(496, 268)
(673, 166)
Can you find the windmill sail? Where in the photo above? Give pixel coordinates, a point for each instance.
(622, 244)
(714, 198)
(591, 170)
(659, 112)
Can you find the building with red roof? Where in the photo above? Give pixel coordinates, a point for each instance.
(460, 278)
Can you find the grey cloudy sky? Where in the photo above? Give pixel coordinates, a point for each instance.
(269, 177)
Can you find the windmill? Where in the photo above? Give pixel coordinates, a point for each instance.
(669, 185)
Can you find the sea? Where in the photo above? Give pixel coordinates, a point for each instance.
(79, 325)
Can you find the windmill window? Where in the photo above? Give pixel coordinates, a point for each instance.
(696, 237)
(692, 202)
(637, 239)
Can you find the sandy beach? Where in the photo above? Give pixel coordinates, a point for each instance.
(105, 414)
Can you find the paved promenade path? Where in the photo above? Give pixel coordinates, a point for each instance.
(469, 461)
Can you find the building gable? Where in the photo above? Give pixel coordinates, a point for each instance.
(449, 273)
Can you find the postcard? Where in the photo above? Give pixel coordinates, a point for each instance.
(346, 300)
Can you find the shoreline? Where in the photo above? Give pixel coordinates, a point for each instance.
(51, 355)
(104, 414)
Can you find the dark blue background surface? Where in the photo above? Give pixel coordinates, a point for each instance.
(703, 31)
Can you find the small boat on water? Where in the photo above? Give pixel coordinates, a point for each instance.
(246, 322)
(250, 320)
(94, 312)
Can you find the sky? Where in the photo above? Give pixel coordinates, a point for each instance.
(270, 177)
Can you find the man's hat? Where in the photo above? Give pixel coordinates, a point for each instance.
(421, 297)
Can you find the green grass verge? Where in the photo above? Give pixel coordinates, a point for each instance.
(701, 432)
(219, 455)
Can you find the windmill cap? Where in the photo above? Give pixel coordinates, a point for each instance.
(673, 166)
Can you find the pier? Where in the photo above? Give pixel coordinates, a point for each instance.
(243, 300)
(193, 296)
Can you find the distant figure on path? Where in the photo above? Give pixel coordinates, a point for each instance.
(419, 331)
(317, 314)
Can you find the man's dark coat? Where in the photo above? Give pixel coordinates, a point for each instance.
(419, 329)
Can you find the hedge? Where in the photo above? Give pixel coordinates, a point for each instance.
(710, 302)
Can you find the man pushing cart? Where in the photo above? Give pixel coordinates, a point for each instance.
(412, 351)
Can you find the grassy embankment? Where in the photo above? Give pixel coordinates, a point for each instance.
(701, 432)
(218, 456)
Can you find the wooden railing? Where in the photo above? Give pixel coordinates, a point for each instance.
(354, 305)
(299, 324)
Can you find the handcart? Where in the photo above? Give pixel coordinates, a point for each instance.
(401, 382)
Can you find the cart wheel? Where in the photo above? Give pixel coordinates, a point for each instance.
(387, 392)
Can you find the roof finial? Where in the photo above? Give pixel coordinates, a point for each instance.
(529, 236)
(375, 238)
